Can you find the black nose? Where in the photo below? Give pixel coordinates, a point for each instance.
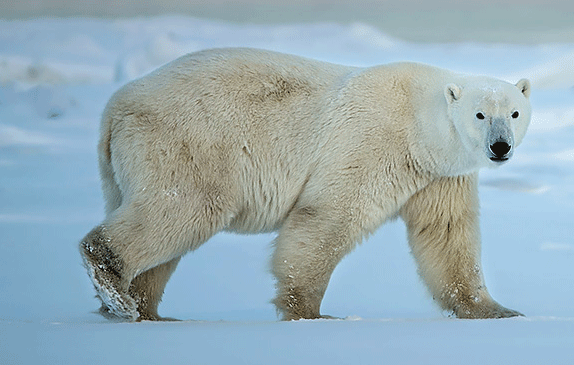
(500, 149)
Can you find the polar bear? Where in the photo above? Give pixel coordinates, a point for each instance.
(248, 141)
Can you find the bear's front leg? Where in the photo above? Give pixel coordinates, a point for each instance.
(443, 229)
(308, 248)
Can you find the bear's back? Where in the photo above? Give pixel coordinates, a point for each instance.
(239, 72)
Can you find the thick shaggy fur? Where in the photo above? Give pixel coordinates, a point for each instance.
(252, 141)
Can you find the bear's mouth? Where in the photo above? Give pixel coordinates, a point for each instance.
(500, 159)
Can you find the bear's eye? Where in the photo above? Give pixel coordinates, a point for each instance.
(515, 114)
(480, 116)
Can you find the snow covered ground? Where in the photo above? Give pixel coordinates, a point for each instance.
(55, 78)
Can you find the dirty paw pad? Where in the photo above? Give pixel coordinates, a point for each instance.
(104, 269)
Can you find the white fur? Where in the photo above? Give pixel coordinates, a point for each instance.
(254, 141)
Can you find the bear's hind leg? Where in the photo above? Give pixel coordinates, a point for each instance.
(104, 269)
(147, 289)
(136, 238)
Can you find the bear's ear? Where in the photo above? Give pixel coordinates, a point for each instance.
(524, 87)
(452, 93)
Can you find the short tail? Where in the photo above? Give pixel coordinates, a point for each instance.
(110, 187)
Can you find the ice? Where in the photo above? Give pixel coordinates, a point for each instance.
(55, 78)
(554, 246)
(556, 73)
(14, 136)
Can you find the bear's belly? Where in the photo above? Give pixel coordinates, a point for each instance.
(257, 221)
(265, 203)
(262, 213)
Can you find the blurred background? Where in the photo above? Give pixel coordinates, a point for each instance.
(525, 21)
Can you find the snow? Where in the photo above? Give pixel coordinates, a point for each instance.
(55, 78)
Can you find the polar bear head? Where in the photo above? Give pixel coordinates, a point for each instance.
(490, 117)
